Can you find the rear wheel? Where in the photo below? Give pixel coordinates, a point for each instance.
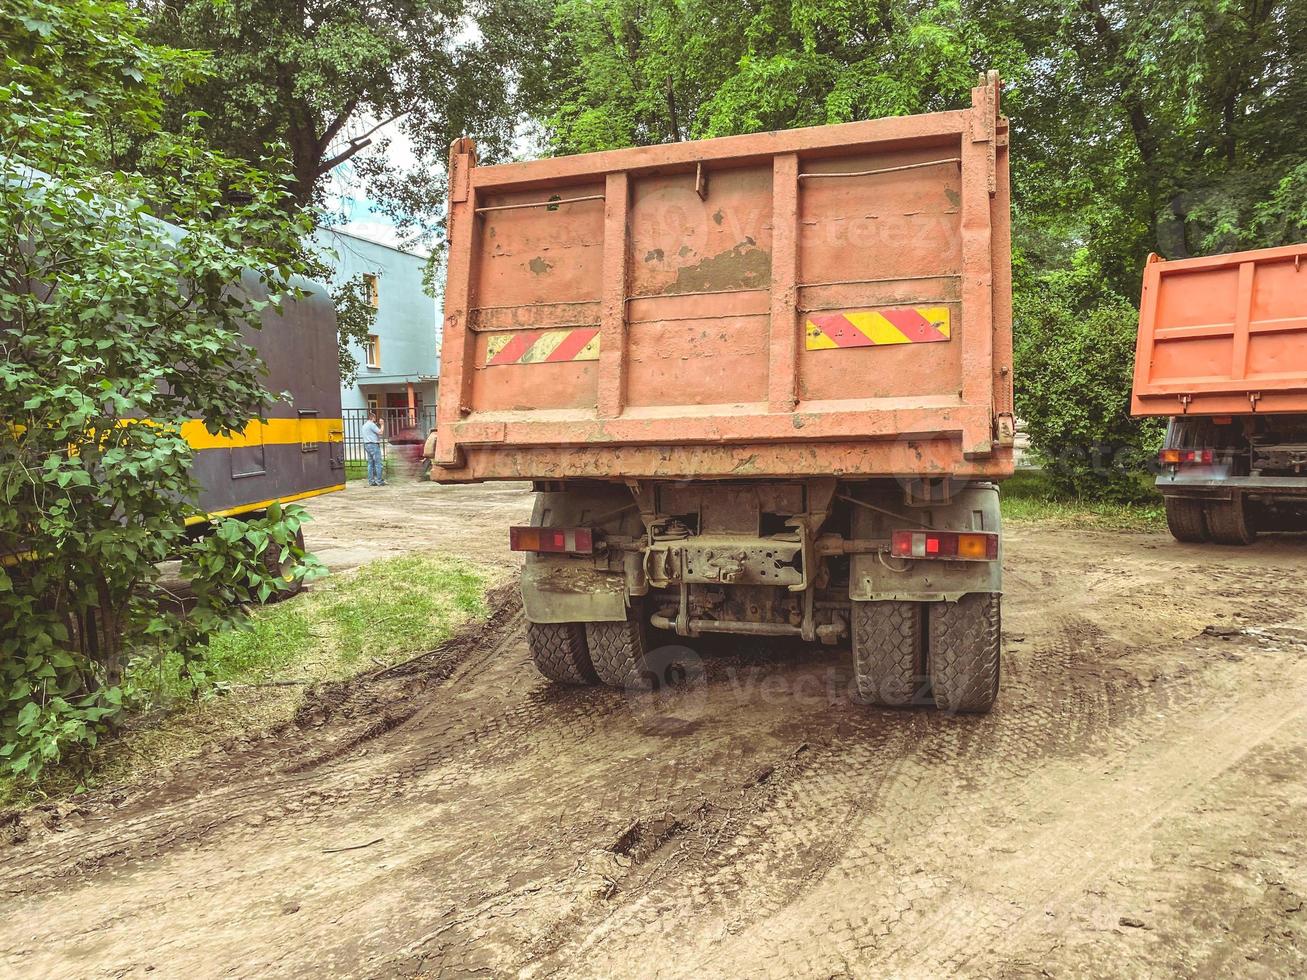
(559, 651)
(965, 640)
(888, 652)
(1227, 520)
(617, 651)
(1185, 519)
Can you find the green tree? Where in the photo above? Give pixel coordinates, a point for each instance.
(1168, 126)
(1075, 347)
(321, 77)
(116, 329)
(620, 72)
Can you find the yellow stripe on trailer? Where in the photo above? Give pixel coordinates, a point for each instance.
(266, 432)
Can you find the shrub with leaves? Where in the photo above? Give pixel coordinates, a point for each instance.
(115, 329)
(1075, 355)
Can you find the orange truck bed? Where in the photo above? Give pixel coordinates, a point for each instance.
(1225, 335)
(824, 301)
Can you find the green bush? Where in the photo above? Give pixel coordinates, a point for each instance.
(1075, 355)
(116, 329)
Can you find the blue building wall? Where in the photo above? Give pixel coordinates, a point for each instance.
(406, 324)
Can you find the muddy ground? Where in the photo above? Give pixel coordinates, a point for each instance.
(1134, 806)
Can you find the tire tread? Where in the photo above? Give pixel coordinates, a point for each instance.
(965, 642)
(617, 651)
(888, 652)
(560, 653)
(1227, 521)
(1186, 521)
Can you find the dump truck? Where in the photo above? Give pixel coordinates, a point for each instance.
(1222, 352)
(761, 384)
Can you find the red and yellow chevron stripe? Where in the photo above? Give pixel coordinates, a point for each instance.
(877, 328)
(543, 346)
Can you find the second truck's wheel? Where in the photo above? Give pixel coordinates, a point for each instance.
(888, 653)
(1227, 520)
(1185, 519)
(559, 651)
(617, 651)
(965, 637)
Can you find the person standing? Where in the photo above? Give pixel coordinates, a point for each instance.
(372, 430)
(428, 454)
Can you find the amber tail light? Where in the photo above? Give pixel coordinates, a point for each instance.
(1187, 457)
(552, 540)
(953, 545)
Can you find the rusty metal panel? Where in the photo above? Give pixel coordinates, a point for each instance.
(1223, 335)
(832, 300)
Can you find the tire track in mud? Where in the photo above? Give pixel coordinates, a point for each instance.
(784, 832)
(795, 838)
(491, 713)
(290, 778)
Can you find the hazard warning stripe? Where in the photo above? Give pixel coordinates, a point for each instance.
(877, 328)
(543, 346)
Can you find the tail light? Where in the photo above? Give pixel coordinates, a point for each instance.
(555, 540)
(954, 545)
(1187, 457)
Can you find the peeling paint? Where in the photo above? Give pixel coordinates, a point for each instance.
(539, 266)
(718, 217)
(684, 250)
(654, 255)
(954, 198)
(743, 267)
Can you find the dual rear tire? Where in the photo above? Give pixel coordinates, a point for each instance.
(904, 653)
(1221, 521)
(909, 653)
(592, 653)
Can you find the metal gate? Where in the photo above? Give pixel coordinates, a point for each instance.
(402, 434)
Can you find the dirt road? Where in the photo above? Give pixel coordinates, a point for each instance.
(1135, 805)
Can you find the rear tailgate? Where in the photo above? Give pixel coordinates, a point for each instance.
(1223, 335)
(828, 300)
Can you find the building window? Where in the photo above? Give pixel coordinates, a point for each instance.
(372, 351)
(374, 402)
(370, 291)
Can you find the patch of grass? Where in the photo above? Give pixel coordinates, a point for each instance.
(1028, 497)
(381, 614)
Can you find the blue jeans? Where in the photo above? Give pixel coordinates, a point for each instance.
(376, 473)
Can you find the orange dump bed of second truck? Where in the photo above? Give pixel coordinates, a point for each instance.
(1223, 335)
(833, 300)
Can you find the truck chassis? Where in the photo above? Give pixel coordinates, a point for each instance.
(820, 560)
(1226, 478)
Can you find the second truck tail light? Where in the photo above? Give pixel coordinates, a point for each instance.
(955, 545)
(1187, 457)
(552, 540)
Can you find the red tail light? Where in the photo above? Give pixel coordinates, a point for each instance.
(554, 540)
(1187, 457)
(953, 545)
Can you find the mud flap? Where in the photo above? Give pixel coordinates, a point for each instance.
(561, 590)
(875, 578)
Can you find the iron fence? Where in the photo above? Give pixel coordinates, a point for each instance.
(403, 431)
